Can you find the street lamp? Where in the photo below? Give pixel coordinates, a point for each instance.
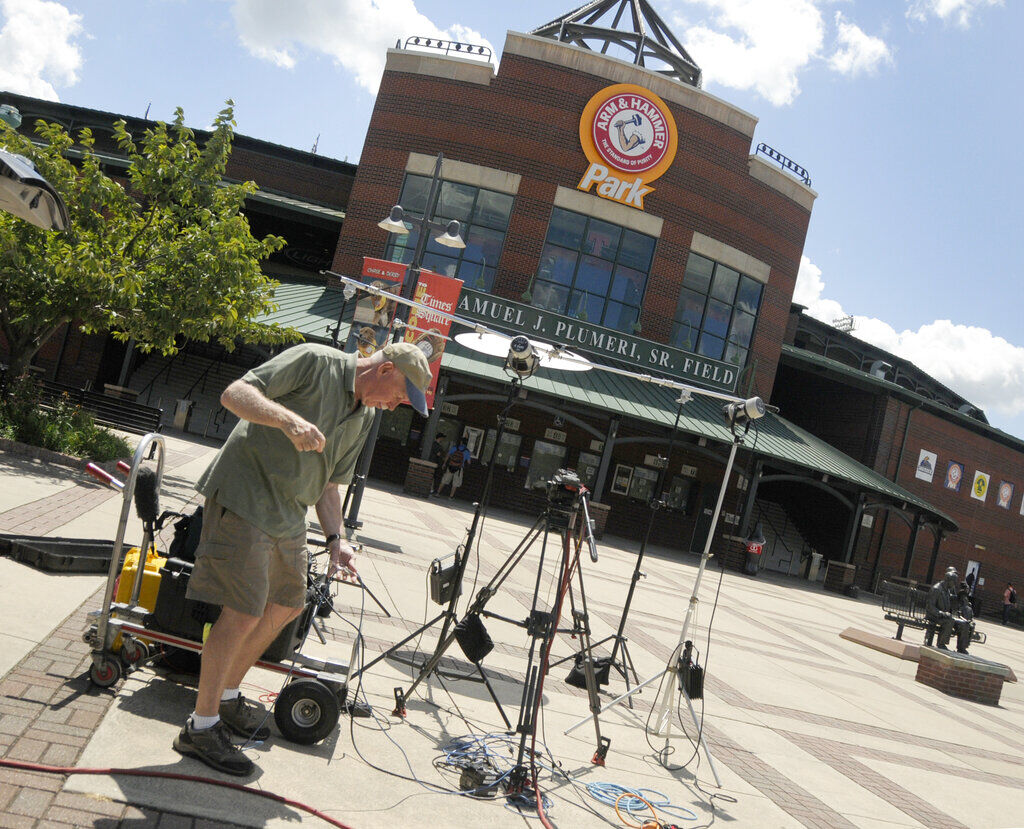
(449, 236)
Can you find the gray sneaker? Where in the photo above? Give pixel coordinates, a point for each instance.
(245, 718)
(213, 747)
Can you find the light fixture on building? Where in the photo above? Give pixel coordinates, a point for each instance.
(395, 223)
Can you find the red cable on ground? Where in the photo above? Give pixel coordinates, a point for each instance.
(170, 775)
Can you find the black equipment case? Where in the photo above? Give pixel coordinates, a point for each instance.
(181, 616)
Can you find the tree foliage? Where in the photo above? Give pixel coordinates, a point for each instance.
(164, 254)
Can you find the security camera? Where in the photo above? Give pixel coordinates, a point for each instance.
(743, 411)
(522, 359)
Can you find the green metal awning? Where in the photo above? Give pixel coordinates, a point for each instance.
(313, 309)
(772, 437)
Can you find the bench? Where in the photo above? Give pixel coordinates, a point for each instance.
(906, 606)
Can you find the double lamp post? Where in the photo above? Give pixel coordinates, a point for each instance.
(448, 236)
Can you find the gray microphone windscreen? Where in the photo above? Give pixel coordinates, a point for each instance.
(147, 496)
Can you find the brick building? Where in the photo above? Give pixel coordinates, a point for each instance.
(612, 206)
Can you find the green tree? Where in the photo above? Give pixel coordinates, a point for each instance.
(164, 255)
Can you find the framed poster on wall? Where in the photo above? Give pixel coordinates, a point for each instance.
(587, 467)
(474, 440)
(642, 486)
(622, 479)
(547, 459)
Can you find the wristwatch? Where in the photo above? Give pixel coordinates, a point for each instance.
(332, 538)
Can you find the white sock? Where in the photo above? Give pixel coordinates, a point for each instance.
(202, 723)
(229, 694)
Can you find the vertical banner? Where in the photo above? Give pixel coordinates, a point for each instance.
(1005, 494)
(954, 476)
(372, 317)
(428, 330)
(926, 465)
(979, 489)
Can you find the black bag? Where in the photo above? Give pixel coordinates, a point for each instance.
(473, 638)
(578, 675)
(1013, 596)
(187, 530)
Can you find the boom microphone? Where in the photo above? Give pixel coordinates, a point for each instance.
(147, 496)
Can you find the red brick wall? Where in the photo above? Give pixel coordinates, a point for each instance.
(527, 122)
(959, 680)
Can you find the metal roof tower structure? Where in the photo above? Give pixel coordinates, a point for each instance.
(647, 40)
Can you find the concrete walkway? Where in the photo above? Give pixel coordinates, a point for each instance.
(805, 728)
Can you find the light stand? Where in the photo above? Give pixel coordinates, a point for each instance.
(737, 414)
(626, 666)
(395, 223)
(520, 363)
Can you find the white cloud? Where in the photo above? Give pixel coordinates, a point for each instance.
(355, 33)
(856, 51)
(959, 11)
(766, 45)
(972, 361)
(37, 48)
(761, 45)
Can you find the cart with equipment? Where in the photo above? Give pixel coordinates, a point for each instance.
(126, 634)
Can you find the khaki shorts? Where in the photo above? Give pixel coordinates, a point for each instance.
(241, 567)
(452, 476)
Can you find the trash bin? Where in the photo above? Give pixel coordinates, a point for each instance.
(182, 414)
(812, 571)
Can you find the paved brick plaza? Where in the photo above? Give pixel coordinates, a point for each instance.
(805, 728)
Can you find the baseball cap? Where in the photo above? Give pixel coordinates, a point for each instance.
(412, 362)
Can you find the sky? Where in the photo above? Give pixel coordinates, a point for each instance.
(907, 114)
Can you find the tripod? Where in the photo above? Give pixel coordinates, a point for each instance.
(625, 667)
(566, 500)
(449, 614)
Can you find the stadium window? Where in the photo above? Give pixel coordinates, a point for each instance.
(716, 312)
(484, 216)
(592, 270)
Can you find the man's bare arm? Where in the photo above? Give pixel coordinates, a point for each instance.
(248, 403)
(328, 512)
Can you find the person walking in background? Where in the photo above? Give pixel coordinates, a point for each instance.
(458, 459)
(436, 457)
(1009, 599)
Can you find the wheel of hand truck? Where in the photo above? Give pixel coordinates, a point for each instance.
(306, 711)
(106, 672)
(133, 651)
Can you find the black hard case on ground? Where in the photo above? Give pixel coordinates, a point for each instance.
(181, 616)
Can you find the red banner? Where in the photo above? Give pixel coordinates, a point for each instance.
(371, 319)
(373, 315)
(429, 330)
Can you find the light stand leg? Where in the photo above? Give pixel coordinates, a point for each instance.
(663, 708)
(700, 738)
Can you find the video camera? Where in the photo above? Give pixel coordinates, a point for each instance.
(564, 489)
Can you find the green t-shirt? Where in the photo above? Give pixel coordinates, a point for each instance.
(259, 474)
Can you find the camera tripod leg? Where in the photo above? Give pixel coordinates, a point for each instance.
(494, 696)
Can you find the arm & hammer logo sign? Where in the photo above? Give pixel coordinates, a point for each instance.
(629, 137)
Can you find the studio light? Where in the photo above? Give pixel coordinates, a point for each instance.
(27, 195)
(743, 411)
(10, 116)
(522, 359)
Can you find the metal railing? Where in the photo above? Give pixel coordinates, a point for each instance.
(105, 410)
(784, 163)
(779, 537)
(446, 46)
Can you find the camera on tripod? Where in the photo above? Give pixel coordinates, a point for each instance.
(563, 489)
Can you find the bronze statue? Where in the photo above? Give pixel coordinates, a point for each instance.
(945, 610)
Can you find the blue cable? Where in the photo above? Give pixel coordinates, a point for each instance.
(610, 794)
